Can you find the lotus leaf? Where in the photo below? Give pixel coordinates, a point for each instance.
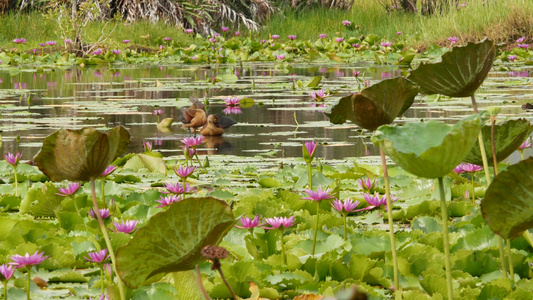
(79, 155)
(376, 105)
(508, 203)
(172, 240)
(460, 72)
(508, 136)
(430, 149)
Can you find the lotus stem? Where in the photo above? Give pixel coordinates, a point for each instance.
(102, 277)
(473, 190)
(198, 159)
(106, 238)
(310, 174)
(200, 284)
(482, 145)
(397, 286)
(16, 181)
(219, 269)
(344, 215)
(28, 284)
(510, 258)
(282, 245)
(5, 290)
(445, 239)
(495, 162)
(316, 227)
(521, 154)
(183, 179)
(502, 256)
(103, 192)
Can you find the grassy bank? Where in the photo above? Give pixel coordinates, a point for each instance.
(504, 20)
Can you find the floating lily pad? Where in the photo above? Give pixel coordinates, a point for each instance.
(430, 149)
(460, 72)
(508, 136)
(376, 105)
(80, 155)
(172, 240)
(508, 203)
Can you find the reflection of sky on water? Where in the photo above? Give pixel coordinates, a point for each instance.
(283, 113)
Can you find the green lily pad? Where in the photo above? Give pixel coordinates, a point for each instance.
(508, 203)
(172, 240)
(79, 155)
(41, 201)
(460, 72)
(508, 136)
(376, 105)
(430, 149)
(145, 161)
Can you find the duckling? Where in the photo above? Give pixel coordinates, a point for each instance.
(216, 125)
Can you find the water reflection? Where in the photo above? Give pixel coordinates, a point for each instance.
(282, 118)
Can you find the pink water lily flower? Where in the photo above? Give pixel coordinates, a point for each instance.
(386, 44)
(97, 52)
(28, 260)
(125, 227)
(51, 43)
(524, 46)
(6, 271)
(275, 36)
(511, 57)
(280, 57)
(318, 95)
(177, 188)
(376, 201)
(366, 184)
(521, 40)
(189, 30)
(157, 112)
(310, 146)
(526, 144)
(147, 146)
(19, 41)
(183, 172)
(277, 222)
(224, 29)
(125, 41)
(104, 212)
(97, 256)
(292, 37)
(193, 141)
(319, 195)
(13, 159)
(339, 40)
(345, 206)
(166, 201)
(110, 169)
(232, 110)
(232, 101)
(71, 189)
(453, 40)
(116, 52)
(346, 23)
(248, 223)
(322, 35)
(167, 38)
(467, 167)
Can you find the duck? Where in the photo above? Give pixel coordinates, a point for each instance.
(193, 116)
(216, 124)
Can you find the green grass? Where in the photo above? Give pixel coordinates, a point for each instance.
(501, 20)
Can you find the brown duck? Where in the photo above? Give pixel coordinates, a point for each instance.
(193, 116)
(216, 125)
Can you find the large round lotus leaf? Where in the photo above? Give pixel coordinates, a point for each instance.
(508, 136)
(508, 203)
(460, 72)
(79, 155)
(376, 105)
(172, 240)
(430, 149)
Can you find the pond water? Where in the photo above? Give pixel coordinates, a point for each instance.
(282, 117)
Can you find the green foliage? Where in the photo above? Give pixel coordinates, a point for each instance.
(507, 206)
(508, 136)
(376, 105)
(430, 149)
(80, 155)
(172, 240)
(460, 72)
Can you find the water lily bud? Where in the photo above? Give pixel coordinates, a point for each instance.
(493, 110)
